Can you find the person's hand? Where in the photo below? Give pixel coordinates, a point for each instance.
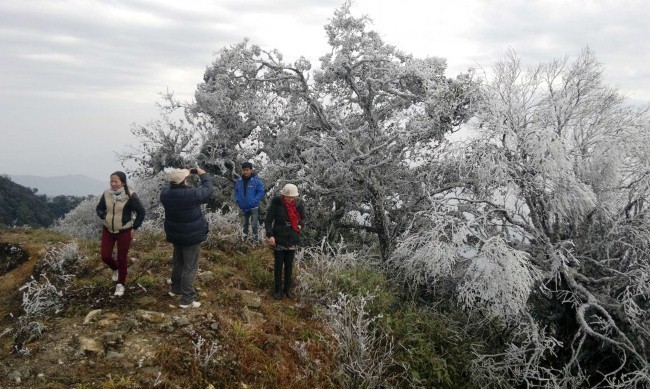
(272, 241)
(200, 171)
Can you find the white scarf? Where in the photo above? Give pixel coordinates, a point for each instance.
(118, 195)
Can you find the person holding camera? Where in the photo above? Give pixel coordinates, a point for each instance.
(116, 207)
(283, 223)
(249, 191)
(185, 227)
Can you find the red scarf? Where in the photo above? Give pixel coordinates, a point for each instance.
(294, 216)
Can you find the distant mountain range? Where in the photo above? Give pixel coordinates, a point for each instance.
(71, 185)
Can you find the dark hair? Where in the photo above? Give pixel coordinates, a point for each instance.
(122, 177)
(246, 165)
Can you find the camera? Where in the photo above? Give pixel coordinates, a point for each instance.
(193, 170)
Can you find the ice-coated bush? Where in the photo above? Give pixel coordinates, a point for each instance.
(204, 351)
(523, 361)
(366, 353)
(224, 230)
(499, 279)
(82, 222)
(326, 270)
(148, 191)
(40, 298)
(62, 262)
(44, 295)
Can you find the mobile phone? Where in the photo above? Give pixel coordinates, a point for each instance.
(193, 170)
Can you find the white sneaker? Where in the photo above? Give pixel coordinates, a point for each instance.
(194, 304)
(116, 275)
(172, 294)
(119, 290)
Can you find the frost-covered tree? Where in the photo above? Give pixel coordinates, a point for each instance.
(349, 133)
(543, 222)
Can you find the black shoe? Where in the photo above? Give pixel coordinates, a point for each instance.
(277, 295)
(288, 293)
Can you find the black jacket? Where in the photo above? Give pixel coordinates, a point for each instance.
(117, 216)
(277, 223)
(185, 223)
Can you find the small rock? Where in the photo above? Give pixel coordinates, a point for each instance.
(214, 326)
(181, 321)
(15, 376)
(206, 276)
(150, 316)
(90, 346)
(151, 370)
(114, 355)
(25, 372)
(203, 294)
(112, 339)
(146, 300)
(253, 317)
(92, 315)
(250, 298)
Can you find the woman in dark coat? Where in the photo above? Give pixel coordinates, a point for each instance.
(284, 220)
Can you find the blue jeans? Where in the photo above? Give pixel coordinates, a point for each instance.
(185, 266)
(252, 218)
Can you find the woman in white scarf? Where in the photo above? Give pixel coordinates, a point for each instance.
(116, 207)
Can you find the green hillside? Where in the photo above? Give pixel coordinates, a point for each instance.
(22, 206)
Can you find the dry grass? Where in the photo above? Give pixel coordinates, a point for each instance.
(287, 348)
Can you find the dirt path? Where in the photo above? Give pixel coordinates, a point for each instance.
(10, 282)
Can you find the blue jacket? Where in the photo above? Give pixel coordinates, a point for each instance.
(185, 224)
(254, 193)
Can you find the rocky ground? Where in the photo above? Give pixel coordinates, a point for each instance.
(239, 337)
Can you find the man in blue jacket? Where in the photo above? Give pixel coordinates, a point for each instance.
(185, 227)
(249, 191)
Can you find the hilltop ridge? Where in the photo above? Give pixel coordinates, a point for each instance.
(239, 336)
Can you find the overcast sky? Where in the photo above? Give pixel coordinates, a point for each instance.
(76, 74)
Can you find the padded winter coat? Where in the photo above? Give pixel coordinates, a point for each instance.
(185, 223)
(277, 223)
(254, 193)
(117, 216)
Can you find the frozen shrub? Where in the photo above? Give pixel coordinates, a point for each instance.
(204, 354)
(523, 360)
(61, 263)
(40, 298)
(81, 222)
(327, 270)
(499, 279)
(366, 353)
(224, 230)
(43, 295)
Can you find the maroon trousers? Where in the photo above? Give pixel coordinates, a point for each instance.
(123, 240)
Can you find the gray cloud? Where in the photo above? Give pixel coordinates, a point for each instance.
(77, 74)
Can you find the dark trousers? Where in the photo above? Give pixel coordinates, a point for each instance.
(184, 269)
(123, 240)
(283, 258)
